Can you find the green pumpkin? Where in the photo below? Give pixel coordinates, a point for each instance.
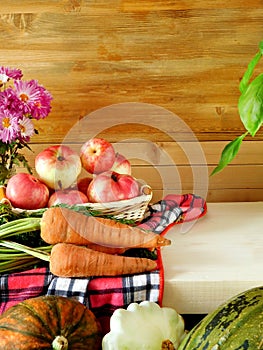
(235, 325)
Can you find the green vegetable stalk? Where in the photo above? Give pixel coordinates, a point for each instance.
(250, 107)
(16, 256)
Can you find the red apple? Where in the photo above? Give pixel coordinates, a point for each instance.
(83, 184)
(70, 197)
(121, 165)
(111, 186)
(97, 155)
(25, 191)
(58, 166)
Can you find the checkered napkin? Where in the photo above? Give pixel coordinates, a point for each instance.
(105, 294)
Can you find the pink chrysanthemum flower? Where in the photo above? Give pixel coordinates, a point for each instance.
(43, 107)
(7, 73)
(20, 103)
(9, 100)
(9, 126)
(35, 99)
(26, 128)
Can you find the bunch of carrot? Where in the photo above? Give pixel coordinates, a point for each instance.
(92, 246)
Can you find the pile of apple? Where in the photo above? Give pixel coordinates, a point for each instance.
(58, 178)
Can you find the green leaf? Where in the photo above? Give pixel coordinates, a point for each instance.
(229, 153)
(250, 105)
(248, 74)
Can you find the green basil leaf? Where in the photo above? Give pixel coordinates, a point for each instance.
(250, 105)
(229, 153)
(244, 83)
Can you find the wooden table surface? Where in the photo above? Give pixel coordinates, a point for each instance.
(217, 257)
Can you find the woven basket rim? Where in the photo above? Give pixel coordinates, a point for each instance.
(125, 203)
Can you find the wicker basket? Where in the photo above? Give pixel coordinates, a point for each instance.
(129, 209)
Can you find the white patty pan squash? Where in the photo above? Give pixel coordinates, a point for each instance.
(144, 326)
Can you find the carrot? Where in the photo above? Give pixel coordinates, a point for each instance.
(105, 249)
(2, 192)
(3, 199)
(63, 225)
(70, 260)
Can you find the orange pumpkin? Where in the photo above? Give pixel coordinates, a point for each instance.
(49, 322)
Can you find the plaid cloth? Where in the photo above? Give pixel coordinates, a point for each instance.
(105, 294)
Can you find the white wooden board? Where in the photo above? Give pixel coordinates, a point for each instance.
(214, 258)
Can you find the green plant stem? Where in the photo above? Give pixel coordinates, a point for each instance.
(19, 226)
(13, 254)
(14, 259)
(21, 264)
(36, 252)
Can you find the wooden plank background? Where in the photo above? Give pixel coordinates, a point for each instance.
(184, 57)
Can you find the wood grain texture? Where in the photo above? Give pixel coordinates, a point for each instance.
(186, 57)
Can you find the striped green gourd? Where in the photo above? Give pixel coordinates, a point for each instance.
(235, 325)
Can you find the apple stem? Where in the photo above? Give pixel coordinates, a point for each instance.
(60, 184)
(114, 177)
